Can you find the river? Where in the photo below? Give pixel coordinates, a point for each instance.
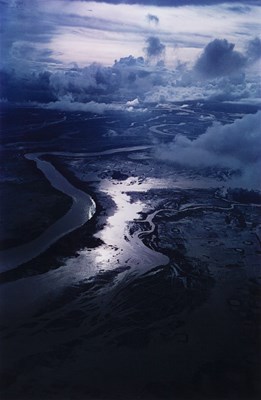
(82, 209)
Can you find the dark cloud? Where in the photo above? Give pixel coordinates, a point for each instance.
(126, 79)
(137, 77)
(155, 48)
(153, 18)
(219, 59)
(129, 61)
(23, 51)
(240, 9)
(25, 28)
(30, 87)
(254, 50)
(130, 77)
(172, 3)
(84, 84)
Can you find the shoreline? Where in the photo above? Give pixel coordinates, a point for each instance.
(68, 245)
(29, 205)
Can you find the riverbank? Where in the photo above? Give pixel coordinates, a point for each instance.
(69, 244)
(29, 204)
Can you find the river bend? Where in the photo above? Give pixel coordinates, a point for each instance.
(82, 209)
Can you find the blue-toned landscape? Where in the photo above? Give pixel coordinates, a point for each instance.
(130, 200)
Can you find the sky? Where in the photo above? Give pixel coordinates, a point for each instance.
(65, 31)
(125, 55)
(128, 45)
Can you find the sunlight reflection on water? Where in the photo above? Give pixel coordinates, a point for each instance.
(119, 248)
(116, 227)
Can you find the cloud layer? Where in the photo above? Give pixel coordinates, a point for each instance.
(254, 50)
(153, 18)
(235, 146)
(130, 78)
(97, 108)
(219, 58)
(97, 31)
(154, 49)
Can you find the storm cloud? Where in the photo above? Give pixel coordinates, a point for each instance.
(155, 48)
(254, 50)
(27, 87)
(169, 3)
(81, 83)
(153, 18)
(219, 59)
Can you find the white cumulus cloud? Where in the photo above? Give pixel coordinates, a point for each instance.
(235, 146)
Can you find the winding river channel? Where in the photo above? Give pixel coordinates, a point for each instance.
(82, 209)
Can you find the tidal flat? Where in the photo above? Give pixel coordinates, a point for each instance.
(156, 296)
